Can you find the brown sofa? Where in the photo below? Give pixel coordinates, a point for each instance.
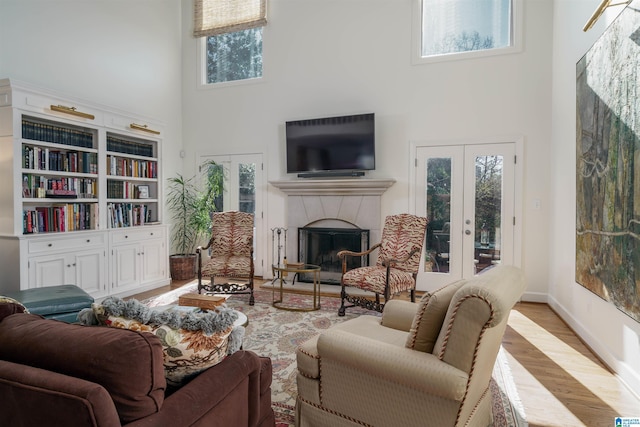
(58, 374)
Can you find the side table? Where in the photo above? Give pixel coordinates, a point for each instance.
(297, 269)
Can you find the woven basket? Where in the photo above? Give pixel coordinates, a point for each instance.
(182, 267)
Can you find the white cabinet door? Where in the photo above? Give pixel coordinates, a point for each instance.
(48, 270)
(126, 271)
(139, 258)
(90, 272)
(153, 260)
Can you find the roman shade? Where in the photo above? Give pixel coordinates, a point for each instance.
(213, 17)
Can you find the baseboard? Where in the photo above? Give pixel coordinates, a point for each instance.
(620, 369)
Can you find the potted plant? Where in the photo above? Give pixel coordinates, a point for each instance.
(191, 210)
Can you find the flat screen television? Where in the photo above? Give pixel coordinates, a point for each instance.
(341, 146)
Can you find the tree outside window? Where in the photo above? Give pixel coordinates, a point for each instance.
(457, 26)
(234, 56)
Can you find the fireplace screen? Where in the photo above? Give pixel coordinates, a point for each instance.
(320, 246)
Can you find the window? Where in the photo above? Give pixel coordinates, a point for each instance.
(234, 56)
(454, 29)
(232, 34)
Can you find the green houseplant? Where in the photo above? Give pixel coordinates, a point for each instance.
(191, 206)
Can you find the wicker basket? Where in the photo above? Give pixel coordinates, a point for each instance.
(182, 267)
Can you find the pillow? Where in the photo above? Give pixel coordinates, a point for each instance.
(192, 340)
(9, 306)
(432, 309)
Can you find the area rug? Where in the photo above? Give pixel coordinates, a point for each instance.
(277, 334)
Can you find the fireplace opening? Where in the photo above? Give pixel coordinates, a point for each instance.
(320, 246)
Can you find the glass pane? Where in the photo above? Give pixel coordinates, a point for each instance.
(216, 184)
(452, 26)
(489, 175)
(438, 187)
(247, 179)
(234, 56)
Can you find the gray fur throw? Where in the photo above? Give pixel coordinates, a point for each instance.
(209, 322)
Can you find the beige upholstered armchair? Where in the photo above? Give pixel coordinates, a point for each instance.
(424, 364)
(396, 268)
(231, 247)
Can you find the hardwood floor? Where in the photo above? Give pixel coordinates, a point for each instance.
(559, 380)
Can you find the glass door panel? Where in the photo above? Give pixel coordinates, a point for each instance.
(467, 193)
(488, 215)
(439, 213)
(241, 175)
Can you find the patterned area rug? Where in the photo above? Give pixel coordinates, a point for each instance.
(277, 333)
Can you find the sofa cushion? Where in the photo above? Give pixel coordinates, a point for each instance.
(127, 364)
(432, 309)
(192, 340)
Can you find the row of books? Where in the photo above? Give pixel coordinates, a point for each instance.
(129, 147)
(56, 134)
(119, 166)
(37, 186)
(68, 217)
(126, 190)
(39, 158)
(127, 215)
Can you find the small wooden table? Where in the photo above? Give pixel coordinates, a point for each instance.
(209, 302)
(297, 269)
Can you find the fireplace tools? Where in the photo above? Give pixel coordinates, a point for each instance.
(278, 245)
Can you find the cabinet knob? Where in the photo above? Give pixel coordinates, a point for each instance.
(68, 265)
(126, 237)
(88, 240)
(151, 233)
(50, 244)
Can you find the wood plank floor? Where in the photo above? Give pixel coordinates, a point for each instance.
(560, 381)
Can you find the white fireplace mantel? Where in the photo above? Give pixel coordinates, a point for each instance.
(350, 203)
(334, 187)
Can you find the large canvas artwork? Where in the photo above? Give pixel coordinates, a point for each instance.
(608, 164)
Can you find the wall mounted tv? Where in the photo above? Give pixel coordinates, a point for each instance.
(331, 146)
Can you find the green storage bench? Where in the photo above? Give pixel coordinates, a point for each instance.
(61, 302)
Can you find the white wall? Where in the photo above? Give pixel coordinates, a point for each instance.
(613, 335)
(332, 57)
(120, 53)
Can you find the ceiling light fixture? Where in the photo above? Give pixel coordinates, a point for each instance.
(599, 11)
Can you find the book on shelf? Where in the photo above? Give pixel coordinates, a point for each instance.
(127, 215)
(119, 145)
(60, 218)
(56, 134)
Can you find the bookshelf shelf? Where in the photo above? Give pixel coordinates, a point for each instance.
(70, 174)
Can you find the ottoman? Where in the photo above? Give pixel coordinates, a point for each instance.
(61, 302)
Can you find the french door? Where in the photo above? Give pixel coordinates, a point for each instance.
(242, 191)
(468, 194)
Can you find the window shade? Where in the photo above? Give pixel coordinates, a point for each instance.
(213, 17)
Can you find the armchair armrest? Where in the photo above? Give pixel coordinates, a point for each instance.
(365, 357)
(344, 253)
(399, 314)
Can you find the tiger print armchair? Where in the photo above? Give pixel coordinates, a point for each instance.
(396, 268)
(231, 247)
